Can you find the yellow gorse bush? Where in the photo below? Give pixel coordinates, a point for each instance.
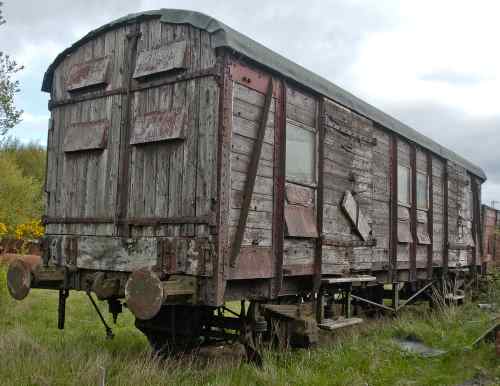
(31, 230)
(3, 229)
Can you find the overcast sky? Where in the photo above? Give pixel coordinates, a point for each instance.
(434, 65)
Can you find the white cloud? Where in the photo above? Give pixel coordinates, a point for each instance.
(34, 119)
(451, 38)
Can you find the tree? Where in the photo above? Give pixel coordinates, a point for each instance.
(19, 195)
(9, 114)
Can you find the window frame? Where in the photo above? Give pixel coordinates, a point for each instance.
(427, 192)
(400, 202)
(312, 183)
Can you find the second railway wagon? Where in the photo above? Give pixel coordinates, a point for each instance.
(189, 166)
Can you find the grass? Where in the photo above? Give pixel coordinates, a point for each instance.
(34, 352)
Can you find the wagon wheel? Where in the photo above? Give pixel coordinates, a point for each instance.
(158, 342)
(279, 333)
(250, 335)
(163, 344)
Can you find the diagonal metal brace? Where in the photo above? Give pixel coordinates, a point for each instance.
(109, 331)
(383, 306)
(415, 295)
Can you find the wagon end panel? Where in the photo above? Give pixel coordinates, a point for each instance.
(132, 152)
(84, 137)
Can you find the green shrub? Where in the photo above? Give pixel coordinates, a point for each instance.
(20, 195)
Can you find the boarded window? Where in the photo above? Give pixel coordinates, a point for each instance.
(404, 231)
(86, 136)
(159, 126)
(422, 191)
(89, 74)
(171, 57)
(300, 195)
(300, 157)
(300, 221)
(404, 185)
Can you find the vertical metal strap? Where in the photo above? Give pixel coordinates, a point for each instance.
(318, 257)
(223, 178)
(430, 216)
(413, 213)
(125, 148)
(393, 212)
(475, 221)
(279, 189)
(251, 177)
(446, 220)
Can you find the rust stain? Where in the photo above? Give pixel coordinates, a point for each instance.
(159, 126)
(91, 73)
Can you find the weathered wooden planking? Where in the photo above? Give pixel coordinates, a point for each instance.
(159, 126)
(161, 59)
(251, 112)
(255, 262)
(86, 136)
(298, 252)
(349, 166)
(336, 259)
(113, 254)
(247, 128)
(253, 236)
(91, 73)
(256, 219)
(260, 202)
(89, 187)
(263, 185)
(247, 112)
(243, 145)
(301, 107)
(190, 155)
(206, 190)
(240, 163)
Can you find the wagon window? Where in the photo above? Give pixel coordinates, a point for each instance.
(422, 191)
(300, 148)
(404, 184)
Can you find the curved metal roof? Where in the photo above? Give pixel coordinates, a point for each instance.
(224, 36)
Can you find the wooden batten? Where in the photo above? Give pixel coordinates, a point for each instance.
(430, 218)
(413, 213)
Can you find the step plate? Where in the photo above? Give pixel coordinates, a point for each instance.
(353, 279)
(331, 325)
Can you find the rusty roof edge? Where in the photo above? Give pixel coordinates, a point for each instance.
(225, 36)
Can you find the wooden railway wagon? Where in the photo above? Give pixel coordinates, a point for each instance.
(189, 166)
(491, 237)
